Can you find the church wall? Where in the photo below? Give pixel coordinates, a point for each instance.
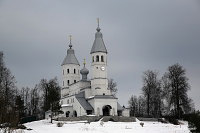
(126, 112)
(70, 76)
(100, 87)
(98, 105)
(88, 92)
(96, 71)
(79, 109)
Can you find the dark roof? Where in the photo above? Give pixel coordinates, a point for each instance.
(83, 102)
(119, 107)
(98, 45)
(70, 58)
(104, 97)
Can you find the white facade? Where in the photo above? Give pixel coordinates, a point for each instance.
(82, 96)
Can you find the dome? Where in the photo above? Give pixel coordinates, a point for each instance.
(84, 71)
(70, 58)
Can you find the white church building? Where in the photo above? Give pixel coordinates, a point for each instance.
(82, 96)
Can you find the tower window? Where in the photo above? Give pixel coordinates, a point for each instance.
(68, 82)
(97, 58)
(74, 71)
(67, 70)
(102, 59)
(92, 58)
(63, 72)
(63, 83)
(74, 81)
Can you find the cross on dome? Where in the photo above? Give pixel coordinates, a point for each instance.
(98, 29)
(70, 41)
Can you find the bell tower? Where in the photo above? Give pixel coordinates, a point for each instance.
(99, 80)
(70, 67)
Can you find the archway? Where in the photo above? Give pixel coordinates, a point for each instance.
(74, 113)
(67, 114)
(106, 110)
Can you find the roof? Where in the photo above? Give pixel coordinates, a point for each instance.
(83, 102)
(103, 97)
(98, 45)
(70, 58)
(119, 107)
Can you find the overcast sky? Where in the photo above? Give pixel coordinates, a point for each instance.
(139, 35)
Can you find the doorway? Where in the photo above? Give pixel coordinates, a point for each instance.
(106, 110)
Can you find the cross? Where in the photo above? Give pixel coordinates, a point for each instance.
(70, 38)
(70, 41)
(98, 21)
(84, 62)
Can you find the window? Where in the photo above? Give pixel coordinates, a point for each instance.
(92, 58)
(102, 59)
(68, 101)
(103, 93)
(97, 58)
(63, 83)
(74, 71)
(63, 72)
(68, 82)
(74, 81)
(67, 70)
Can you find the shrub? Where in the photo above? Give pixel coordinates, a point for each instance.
(142, 124)
(60, 124)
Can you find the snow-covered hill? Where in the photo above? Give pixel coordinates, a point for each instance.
(44, 126)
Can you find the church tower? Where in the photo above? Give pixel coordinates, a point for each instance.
(99, 80)
(70, 68)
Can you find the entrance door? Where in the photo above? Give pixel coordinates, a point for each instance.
(67, 114)
(106, 110)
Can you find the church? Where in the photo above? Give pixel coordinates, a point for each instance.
(82, 96)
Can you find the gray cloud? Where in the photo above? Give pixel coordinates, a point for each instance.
(139, 35)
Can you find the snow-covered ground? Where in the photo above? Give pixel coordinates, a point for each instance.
(44, 126)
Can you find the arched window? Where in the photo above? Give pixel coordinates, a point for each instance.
(97, 58)
(74, 81)
(92, 58)
(68, 82)
(74, 71)
(102, 59)
(67, 70)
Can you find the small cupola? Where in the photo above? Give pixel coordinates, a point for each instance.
(84, 72)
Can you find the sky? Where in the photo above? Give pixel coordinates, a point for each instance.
(139, 35)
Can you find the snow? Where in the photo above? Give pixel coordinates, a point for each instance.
(66, 105)
(44, 126)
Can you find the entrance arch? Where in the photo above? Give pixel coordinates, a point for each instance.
(67, 113)
(74, 113)
(106, 110)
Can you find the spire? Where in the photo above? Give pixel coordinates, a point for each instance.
(98, 29)
(98, 45)
(70, 58)
(70, 41)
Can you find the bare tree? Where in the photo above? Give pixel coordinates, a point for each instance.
(7, 92)
(112, 85)
(152, 92)
(141, 106)
(133, 105)
(176, 86)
